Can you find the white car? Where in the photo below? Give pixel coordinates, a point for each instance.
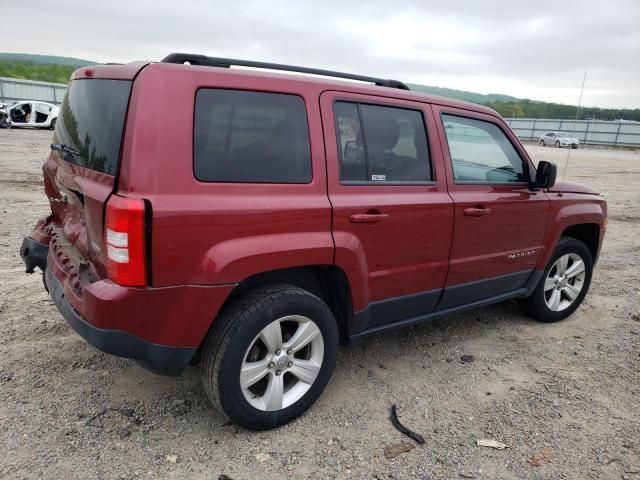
(559, 139)
(33, 113)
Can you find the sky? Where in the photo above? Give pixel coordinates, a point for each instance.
(529, 49)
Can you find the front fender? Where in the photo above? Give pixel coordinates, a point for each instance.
(234, 260)
(567, 210)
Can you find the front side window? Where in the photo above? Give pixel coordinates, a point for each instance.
(381, 144)
(481, 152)
(254, 137)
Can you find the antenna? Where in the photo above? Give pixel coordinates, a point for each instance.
(566, 163)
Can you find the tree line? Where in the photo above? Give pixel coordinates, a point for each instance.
(56, 73)
(508, 107)
(532, 109)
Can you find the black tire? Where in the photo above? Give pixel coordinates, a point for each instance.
(557, 144)
(52, 126)
(536, 306)
(231, 336)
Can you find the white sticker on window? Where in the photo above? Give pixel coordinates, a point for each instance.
(379, 178)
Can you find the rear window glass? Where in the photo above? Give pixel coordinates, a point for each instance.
(91, 121)
(256, 137)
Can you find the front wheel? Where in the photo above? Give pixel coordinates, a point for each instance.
(564, 284)
(269, 356)
(53, 124)
(557, 144)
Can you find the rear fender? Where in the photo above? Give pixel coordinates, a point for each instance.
(234, 260)
(350, 256)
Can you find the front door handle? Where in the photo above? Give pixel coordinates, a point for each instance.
(368, 217)
(477, 211)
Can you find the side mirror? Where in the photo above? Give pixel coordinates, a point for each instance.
(545, 175)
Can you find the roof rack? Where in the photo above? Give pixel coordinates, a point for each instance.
(203, 60)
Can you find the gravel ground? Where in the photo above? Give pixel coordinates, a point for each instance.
(564, 398)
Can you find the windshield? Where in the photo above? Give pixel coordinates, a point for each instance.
(91, 122)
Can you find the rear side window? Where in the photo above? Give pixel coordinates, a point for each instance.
(91, 121)
(381, 144)
(481, 152)
(256, 137)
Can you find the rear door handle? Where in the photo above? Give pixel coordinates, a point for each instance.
(477, 211)
(368, 218)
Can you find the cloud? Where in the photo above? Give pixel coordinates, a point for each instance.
(536, 49)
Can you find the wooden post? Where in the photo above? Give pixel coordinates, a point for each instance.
(533, 129)
(615, 142)
(586, 132)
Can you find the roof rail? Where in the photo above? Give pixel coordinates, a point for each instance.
(203, 60)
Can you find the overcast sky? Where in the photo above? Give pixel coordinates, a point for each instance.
(534, 49)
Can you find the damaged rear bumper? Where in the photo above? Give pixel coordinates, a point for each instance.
(161, 359)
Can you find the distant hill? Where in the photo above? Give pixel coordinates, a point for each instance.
(45, 68)
(45, 59)
(462, 94)
(51, 68)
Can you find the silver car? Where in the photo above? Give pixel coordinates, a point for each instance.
(559, 139)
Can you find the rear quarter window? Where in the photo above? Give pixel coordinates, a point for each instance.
(251, 137)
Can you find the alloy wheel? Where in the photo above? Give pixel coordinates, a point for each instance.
(282, 363)
(564, 282)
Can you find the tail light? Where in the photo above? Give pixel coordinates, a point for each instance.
(125, 241)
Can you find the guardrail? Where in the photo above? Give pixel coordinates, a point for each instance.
(15, 89)
(594, 132)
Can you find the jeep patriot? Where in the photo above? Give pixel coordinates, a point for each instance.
(249, 221)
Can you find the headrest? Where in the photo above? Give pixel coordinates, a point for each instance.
(382, 132)
(419, 140)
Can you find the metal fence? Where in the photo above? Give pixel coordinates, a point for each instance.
(14, 89)
(587, 131)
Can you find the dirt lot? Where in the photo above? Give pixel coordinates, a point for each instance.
(564, 397)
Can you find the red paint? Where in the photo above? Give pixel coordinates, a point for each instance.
(567, 210)
(409, 251)
(516, 222)
(207, 237)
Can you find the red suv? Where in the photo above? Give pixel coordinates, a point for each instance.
(250, 221)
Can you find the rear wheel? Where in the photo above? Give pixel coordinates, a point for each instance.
(542, 143)
(269, 356)
(564, 284)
